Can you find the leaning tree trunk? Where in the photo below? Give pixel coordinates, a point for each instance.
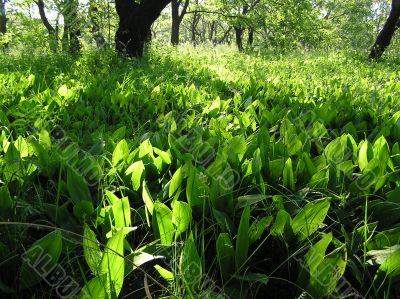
(387, 32)
(53, 36)
(3, 19)
(135, 20)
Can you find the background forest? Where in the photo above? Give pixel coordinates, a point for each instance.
(199, 149)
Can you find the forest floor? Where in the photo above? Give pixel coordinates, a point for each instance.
(198, 172)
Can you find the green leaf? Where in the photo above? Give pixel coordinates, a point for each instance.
(6, 203)
(190, 266)
(91, 250)
(258, 227)
(226, 256)
(40, 259)
(77, 187)
(175, 184)
(94, 289)
(181, 216)
(242, 241)
(120, 152)
(136, 169)
(63, 90)
(288, 177)
(310, 218)
(281, 225)
(193, 188)
(166, 157)
(162, 223)
(83, 209)
(148, 202)
(112, 264)
(164, 273)
(121, 211)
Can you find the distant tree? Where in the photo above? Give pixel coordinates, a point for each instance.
(53, 35)
(385, 35)
(72, 26)
(177, 17)
(94, 20)
(3, 19)
(135, 20)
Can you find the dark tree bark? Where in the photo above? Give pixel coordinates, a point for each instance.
(387, 32)
(53, 39)
(250, 39)
(94, 20)
(177, 19)
(239, 29)
(239, 38)
(135, 20)
(3, 19)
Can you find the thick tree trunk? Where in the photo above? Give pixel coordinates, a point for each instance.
(239, 38)
(135, 20)
(3, 19)
(387, 32)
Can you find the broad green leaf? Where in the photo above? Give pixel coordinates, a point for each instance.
(112, 263)
(166, 157)
(122, 213)
(226, 256)
(91, 250)
(190, 266)
(121, 151)
(94, 289)
(40, 259)
(181, 216)
(288, 177)
(175, 184)
(136, 169)
(258, 227)
(162, 223)
(148, 202)
(164, 273)
(310, 218)
(281, 225)
(242, 241)
(6, 203)
(77, 187)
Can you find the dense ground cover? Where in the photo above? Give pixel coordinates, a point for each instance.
(195, 173)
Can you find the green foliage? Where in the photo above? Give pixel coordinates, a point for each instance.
(243, 170)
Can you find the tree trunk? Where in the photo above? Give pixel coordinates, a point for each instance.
(3, 19)
(239, 38)
(72, 32)
(250, 39)
(387, 32)
(53, 35)
(176, 23)
(135, 20)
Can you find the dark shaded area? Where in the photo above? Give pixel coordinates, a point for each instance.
(3, 19)
(135, 20)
